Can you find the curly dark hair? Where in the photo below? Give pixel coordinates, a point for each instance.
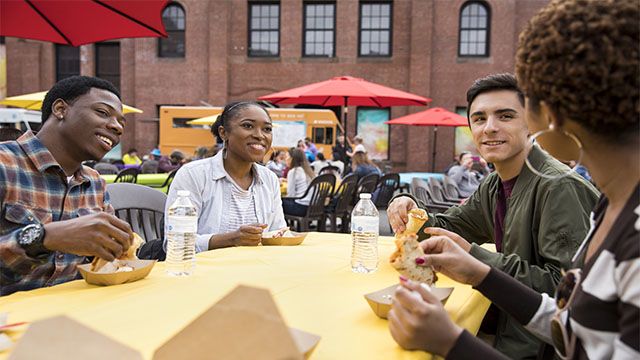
(581, 58)
(71, 88)
(230, 112)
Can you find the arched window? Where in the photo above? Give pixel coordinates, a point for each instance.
(174, 20)
(475, 26)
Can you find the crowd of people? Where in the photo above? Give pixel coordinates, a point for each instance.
(575, 97)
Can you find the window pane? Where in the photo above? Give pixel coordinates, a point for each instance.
(384, 49)
(482, 49)
(384, 36)
(464, 49)
(473, 22)
(464, 36)
(482, 11)
(482, 22)
(366, 49)
(328, 49)
(311, 36)
(328, 23)
(273, 37)
(473, 9)
(274, 10)
(308, 49)
(385, 10)
(375, 36)
(366, 23)
(273, 49)
(366, 10)
(465, 22)
(482, 36)
(375, 23)
(318, 49)
(366, 36)
(384, 24)
(375, 10)
(311, 10)
(273, 23)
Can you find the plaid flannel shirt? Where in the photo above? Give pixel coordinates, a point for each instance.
(35, 189)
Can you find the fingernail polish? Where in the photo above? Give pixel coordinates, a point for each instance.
(419, 261)
(403, 278)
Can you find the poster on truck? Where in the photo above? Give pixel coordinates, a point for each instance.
(287, 133)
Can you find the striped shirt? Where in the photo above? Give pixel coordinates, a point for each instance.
(240, 207)
(605, 312)
(35, 189)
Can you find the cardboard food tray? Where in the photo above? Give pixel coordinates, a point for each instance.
(141, 268)
(296, 239)
(220, 330)
(380, 301)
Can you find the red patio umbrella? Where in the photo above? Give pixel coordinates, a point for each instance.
(346, 91)
(432, 117)
(81, 22)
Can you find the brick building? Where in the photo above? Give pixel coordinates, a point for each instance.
(224, 50)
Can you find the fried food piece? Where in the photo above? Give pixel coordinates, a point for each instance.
(404, 259)
(417, 218)
(103, 266)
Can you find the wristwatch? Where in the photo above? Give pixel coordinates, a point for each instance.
(31, 239)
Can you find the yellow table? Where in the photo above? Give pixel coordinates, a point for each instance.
(153, 180)
(312, 285)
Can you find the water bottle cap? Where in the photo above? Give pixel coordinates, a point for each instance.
(184, 193)
(365, 196)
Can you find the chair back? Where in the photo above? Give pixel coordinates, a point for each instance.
(321, 188)
(127, 175)
(169, 179)
(149, 167)
(387, 185)
(345, 194)
(367, 184)
(141, 206)
(104, 168)
(437, 190)
(330, 169)
(450, 188)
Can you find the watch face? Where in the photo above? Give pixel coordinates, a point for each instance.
(30, 234)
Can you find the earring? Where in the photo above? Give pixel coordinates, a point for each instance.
(551, 130)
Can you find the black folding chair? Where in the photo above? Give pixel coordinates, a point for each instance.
(127, 176)
(167, 181)
(342, 203)
(321, 189)
(387, 186)
(366, 184)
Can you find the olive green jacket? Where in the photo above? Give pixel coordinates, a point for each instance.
(545, 222)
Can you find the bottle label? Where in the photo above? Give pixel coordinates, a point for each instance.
(365, 224)
(185, 224)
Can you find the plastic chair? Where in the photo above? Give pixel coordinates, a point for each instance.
(167, 181)
(141, 206)
(387, 186)
(330, 169)
(366, 184)
(438, 194)
(420, 190)
(451, 189)
(127, 176)
(321, 189)
(341, 204)
(104, 168)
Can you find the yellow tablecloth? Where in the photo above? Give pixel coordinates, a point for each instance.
(153, 180)
(312, 285)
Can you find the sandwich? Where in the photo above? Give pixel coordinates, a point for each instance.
(284, 232)
(118, 265)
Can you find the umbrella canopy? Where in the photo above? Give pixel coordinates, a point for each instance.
(346, 91)
(33, 101)
(81, 22)
(431, 117)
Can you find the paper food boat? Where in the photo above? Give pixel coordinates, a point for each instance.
(141, 268)
(245, 324)
(296, 239)
(380, 301)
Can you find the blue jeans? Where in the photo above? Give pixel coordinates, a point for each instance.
(290, 207)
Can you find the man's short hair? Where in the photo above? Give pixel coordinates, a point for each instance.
(494, 82)
(71, 88)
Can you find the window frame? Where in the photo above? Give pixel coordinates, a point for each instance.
(97, 48)
(249, 28)
(57, 50)
(487, 29)
(169, 32)
(304, 28)
(390, 29)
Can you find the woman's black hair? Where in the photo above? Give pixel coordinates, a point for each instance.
(230, 111)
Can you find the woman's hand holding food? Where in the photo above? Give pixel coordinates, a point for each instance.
(249, 235)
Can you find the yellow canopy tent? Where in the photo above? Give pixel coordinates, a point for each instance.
(33, 101)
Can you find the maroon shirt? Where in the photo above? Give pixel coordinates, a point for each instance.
(504, 193)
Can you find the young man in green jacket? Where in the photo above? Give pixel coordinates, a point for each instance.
(536, 223)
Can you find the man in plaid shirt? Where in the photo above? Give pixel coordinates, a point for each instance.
(54, 211)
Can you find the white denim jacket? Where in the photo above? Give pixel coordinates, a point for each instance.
(205, 180)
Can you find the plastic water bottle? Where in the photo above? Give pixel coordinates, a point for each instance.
(181, 236)
(364, 234)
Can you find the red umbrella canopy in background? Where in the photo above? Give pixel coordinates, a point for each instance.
(78, 22)
(432, 117)
(346, 91)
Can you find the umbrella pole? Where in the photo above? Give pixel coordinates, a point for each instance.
(433, 154)
(345, 110)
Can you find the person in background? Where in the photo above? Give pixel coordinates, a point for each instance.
(174, 161)
(9, 133)
(359, 146)
(456, 161)
(320, 163)
(340, 150)
(311, 146)
(203, 152)
(303, 147)
(362, 166)
(596, 311)
(277, 163)
(464, 176)
(536, 223)
(298, 179)
(235, 197)
(131, 157)
(56, 212)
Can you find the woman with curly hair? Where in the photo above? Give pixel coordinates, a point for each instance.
(578, 63)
